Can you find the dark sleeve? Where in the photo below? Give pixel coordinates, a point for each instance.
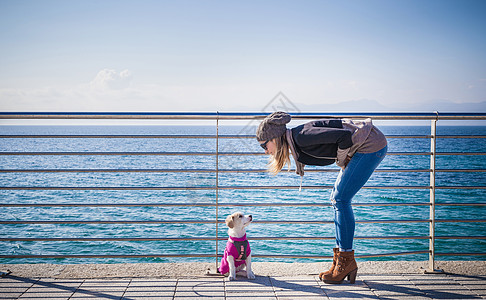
(311, 134)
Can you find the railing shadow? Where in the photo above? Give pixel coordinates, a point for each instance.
(75, 289)
(429, 286)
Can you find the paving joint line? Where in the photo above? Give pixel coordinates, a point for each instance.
(273, 287)
(126, 288)
(424, 293)
(224, 288)
(322, 286)
(369, 288)
(77, 288)
(319, 283)
(29, 288)
(175, 288)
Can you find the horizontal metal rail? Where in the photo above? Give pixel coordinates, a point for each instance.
(204, 255)
(279, 204)
(68, 153)
(194, 255)
(210, 238)
(461, 237)
(236, 116)
(206, 188)
(59, 256)
(209, 221)
(219, 256)
(222, 222)
(202, 136)
(250, 204)
(223, 170)
(460, 254)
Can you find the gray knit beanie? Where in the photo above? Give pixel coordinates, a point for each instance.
(273, 126)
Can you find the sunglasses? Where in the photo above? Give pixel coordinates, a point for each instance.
(264, 145)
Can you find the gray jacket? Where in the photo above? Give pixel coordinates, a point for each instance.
(324, 142)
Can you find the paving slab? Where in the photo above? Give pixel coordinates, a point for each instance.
(359, 290)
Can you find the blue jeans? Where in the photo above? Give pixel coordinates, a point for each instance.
(348, 183)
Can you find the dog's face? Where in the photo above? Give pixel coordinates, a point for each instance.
(238, 220)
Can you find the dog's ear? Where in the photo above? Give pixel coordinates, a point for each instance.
(229, 222)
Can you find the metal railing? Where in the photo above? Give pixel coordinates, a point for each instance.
(217, 117)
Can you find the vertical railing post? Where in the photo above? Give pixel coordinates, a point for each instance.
(433, 150)
(433, 131)
(217, 187)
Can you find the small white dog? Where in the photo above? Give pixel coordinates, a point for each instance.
(237, 253)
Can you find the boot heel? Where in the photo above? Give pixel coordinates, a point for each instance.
(352, 276)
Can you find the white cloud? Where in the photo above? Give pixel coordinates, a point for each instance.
(107, 91)
(110, 79)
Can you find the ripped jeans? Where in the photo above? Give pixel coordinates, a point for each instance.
(348, 183)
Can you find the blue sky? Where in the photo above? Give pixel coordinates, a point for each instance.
(237, 55)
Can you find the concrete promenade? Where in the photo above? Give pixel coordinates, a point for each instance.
(376, 280)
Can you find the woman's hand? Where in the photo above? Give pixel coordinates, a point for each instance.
(346, 162)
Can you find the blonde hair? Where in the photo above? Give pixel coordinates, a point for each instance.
(281, 157)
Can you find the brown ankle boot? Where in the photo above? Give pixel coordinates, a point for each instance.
(345, 266)
(334, 260)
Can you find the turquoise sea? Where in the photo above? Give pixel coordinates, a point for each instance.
(179, 180)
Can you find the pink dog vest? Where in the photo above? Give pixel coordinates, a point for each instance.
(239, 248)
